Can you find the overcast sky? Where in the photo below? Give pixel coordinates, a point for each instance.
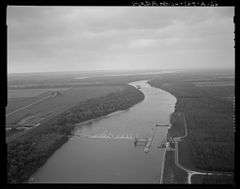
(44, 39)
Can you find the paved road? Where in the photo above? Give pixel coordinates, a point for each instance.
(163, 163)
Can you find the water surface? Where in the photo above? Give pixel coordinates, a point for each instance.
(103, 151)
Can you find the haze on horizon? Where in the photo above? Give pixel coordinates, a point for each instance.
(52, 39)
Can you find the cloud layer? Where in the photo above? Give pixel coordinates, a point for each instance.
(88, 38)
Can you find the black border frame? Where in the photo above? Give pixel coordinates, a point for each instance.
(3, 82)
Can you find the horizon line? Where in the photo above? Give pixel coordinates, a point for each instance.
(114, 70)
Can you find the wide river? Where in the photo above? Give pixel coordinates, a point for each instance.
(103, 150)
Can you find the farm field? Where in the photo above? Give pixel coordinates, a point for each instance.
(214, 83)
(25, 93)
(15, 103)
(64, 100)
(23, 97)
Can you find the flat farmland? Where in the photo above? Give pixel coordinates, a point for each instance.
(22, 93)
(22, 97)
(56, 104)
(214, 83)
(15, 103)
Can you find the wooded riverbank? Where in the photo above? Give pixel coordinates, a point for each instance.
(29, 152)
(209, 145)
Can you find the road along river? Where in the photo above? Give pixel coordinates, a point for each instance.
(104, 151)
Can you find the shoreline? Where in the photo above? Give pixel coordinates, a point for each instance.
(31, 179)
(174, 173)
(39, 144)
(92, 121)
(171, 173)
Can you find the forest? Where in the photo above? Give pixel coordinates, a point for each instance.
(29, 152)
(210, 123)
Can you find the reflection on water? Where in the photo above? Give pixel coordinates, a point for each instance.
(105, 150)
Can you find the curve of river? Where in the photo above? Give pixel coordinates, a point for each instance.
(103, 151)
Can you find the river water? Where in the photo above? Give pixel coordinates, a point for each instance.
(103, 150)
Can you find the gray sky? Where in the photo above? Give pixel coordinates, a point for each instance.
(44, 39)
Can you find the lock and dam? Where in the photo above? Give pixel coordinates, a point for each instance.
(125, 147)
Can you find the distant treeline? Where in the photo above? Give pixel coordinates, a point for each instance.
(209, 120)
(29, 152)
(37, 83)
(50, 86)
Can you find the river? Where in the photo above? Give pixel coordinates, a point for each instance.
(103, 150)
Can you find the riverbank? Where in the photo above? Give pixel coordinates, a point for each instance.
(208, 145)
(31, 151)
(104, 151)
(172, 174)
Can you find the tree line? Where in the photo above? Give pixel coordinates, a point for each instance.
(29, 152)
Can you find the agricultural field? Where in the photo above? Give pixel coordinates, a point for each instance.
(26, 112)
(15, 103)
(214, 83)
(22, 97)
(25, 93)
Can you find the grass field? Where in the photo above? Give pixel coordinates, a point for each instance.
(15, 103)
(67, 99)
(214, 83)
(172, 173)
(25, 93)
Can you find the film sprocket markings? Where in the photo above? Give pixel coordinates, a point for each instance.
(176, 3)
